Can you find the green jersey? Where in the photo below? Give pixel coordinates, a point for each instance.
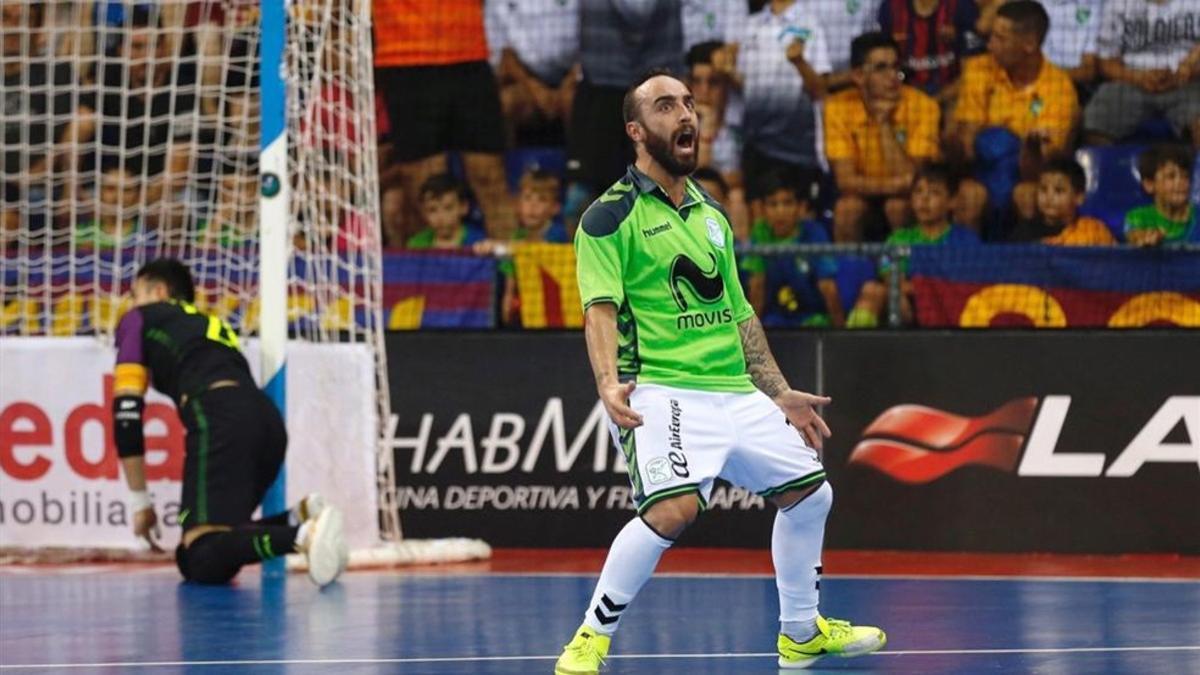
(672, 275)
(1150, 218)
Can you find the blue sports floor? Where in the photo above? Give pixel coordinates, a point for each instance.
(108, 619)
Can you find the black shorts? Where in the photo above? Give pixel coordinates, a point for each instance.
(433, 109)
(236, 442)
(598, 149)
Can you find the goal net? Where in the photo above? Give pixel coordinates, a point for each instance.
(132, 131)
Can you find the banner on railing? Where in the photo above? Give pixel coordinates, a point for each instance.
(74, 294)
(1055, 287)
(546, 285)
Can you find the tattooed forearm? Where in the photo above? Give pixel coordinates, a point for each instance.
(760, 364)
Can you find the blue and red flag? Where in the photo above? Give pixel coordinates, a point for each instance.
(438, 290)
(1055, 286)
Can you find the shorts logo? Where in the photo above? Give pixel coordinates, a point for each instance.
(658, 470)
(715, 235)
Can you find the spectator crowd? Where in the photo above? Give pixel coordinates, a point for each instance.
(912, 122)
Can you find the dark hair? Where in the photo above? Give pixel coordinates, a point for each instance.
(774, 181)
(937, 172)
(629, 104)
(1066, 166)
(174, 274)
(710, 174)
(702, 53)
(441, 184)
(1028, 16)
(1157, 156)
(866, 43)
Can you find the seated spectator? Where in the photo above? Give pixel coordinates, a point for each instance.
(1060, 193)
(234, 219)
(44, 122)
(534, 48)
(789, 290)
(1150, 53)
(1166, 172)
(1014, 108)
(876, 135)
(733, 200)
(934, 37)
(444, 205)
(842, 21)
(780, 68)
(116, 218)
(148, 100)
(932, 205)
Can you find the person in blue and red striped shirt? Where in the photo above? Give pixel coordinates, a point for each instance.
(934, 37)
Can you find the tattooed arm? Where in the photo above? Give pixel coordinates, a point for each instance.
(798, 406)
(760, 363)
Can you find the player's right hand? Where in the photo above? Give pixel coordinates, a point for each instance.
(616, 401)
(145, 526)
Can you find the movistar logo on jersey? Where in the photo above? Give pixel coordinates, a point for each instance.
(708, 287)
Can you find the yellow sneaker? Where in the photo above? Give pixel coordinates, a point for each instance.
(584, 654)
(835, 638)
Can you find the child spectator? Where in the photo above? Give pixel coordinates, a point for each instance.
(443, 207)
(116, 220)
(1060, 193)
(933, 188)
(788, 290)
(1166, 172)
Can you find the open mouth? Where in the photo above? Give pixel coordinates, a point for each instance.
(685, 139)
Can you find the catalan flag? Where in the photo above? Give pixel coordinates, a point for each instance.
(546, 285)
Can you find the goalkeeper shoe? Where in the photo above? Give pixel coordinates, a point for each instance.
(584, 654)
(834, 638)
(325, 547)
(310, 507)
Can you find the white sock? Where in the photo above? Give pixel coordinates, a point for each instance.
(796, 544)
(631, 561)
(302, 537)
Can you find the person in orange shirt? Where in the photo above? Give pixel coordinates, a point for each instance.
(1060, 191)
(431, 65)
(876, 136)
(1014, 88)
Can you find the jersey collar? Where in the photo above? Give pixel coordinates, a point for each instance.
(648, 186)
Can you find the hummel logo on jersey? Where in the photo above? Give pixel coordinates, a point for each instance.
(616, 192)
(656, 230)
(127, 404)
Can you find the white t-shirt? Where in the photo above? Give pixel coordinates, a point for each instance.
(844, 20)
(779, 115)
(1074, 25)
(1148, 35)
(713, 20)
(543, 33)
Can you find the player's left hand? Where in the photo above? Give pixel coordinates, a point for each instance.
(800, 409)
(145, 526)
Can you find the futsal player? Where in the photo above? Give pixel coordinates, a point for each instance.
(691, 388)
(236, 438)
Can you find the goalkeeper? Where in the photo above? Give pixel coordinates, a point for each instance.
(236, 438)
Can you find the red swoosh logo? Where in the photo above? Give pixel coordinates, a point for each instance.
(934, 428)
(918, 444)
(909, 464)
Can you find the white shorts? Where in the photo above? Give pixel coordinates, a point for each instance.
(689, 438)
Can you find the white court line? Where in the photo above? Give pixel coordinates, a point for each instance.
(483, 659)
(761, 575)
